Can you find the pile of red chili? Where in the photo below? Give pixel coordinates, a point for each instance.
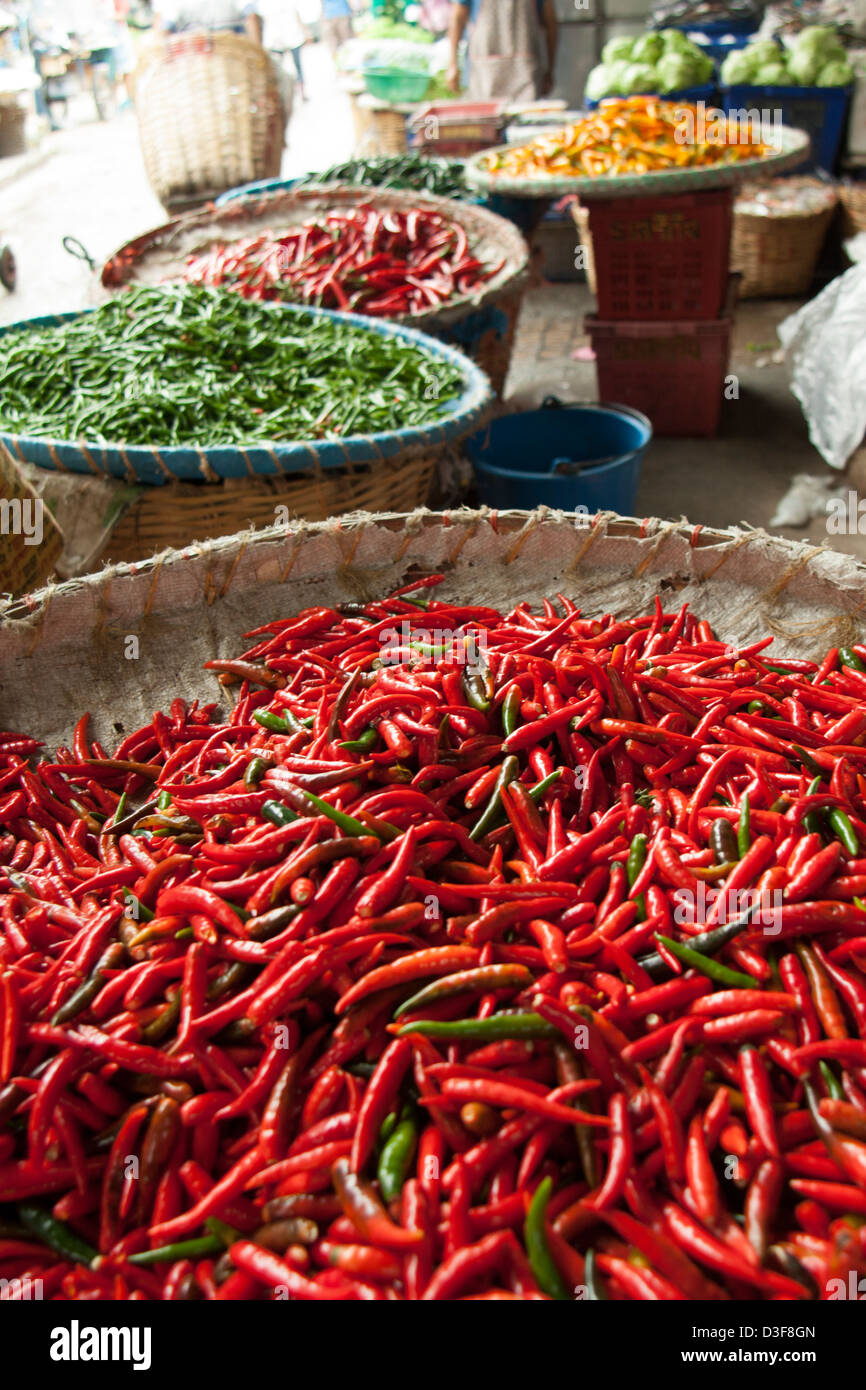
(470, 956)
(366, 259)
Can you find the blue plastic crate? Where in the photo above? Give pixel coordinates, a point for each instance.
(820, 111)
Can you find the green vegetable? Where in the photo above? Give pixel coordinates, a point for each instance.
(744, 832)
(56, 1234)
(735, 979)
(491, 1029)
(278, 813)
(395, 1159)
(192, 365)
(544, 1267)
(444, 177)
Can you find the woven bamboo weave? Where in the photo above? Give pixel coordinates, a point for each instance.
(210, 115)
(180, 513)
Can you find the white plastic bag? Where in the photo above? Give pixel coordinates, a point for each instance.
(825, 345)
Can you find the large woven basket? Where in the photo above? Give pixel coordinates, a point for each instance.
(58, 647)
(481, 324)
(777, 255)
(140, 461)
(210, 115)
(184, 512)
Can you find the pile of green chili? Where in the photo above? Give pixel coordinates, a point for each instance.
(192, 365)
(444, 177)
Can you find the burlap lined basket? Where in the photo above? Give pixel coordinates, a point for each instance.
(61, 648)
(481, 324)
(210, 115)
(777, 255)
(180, 513)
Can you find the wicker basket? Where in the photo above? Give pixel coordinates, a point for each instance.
(776, 255)
(210, 115)
(852, 196)
(482, 324)
(183, 512)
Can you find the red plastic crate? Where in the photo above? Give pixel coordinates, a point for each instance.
(662, 258)
(673, 372)
(456, 128)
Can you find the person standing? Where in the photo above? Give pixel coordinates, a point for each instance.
(336, 23)
(512, 48)
(283, 36)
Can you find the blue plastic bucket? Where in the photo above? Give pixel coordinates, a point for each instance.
(515, 456)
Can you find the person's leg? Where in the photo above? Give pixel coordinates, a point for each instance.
(296, 58)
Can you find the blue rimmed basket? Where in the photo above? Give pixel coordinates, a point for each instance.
(144, 463)
(197, 493)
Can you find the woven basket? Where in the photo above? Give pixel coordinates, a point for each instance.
(386, 133)
(481, 324)
(183, 512)
(777, 255)
(852, 196)
(210, 115)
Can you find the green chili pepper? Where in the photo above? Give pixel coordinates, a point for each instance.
(736, 979)
(634, 864)
(278, 813)
(56, 1234)
(489, 816)
(395, 1159)
(723, 842)
(477, 690)
(255, 771)
(348, 823)
(850, 658)
(744, 831)
(362, 744)
(181, 1250)
(511, 710)
(537, 792)
(813, 821)
(140, 912)
(491, 1029)
(275, 723)
(544, 1267)
(831, 1081)
(808, 761)
(163, 801)
(844, 829)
